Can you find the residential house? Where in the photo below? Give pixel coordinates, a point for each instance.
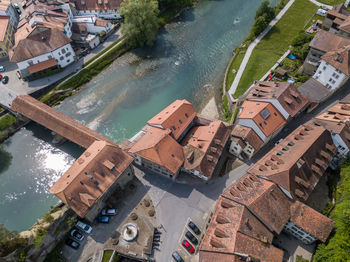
(336, 17)
(250, 214)
(47, 49)
(86, 186)
(106, 9)
(334, 70)
(336, 121)
(38, 16)
(244, 142)
(236, 234)
(6, 35)
(93, 24)
(178, 140)
(297, 163)
(322, 43)
(284, 96)
(6, 9)
(265, 120)
(82, 37)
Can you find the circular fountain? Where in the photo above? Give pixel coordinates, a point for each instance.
(129, 232)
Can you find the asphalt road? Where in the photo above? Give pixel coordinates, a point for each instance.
(176, 203)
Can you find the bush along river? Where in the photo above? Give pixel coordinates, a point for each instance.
(187, 61)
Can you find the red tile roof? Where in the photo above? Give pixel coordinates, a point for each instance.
(4, 22)
(286, 93)
(289, 163)
(177, 117)
(265, 116)
(248, 135)
(159, 147)
(42, 66)
(38, 44)
(311, 221)
(97, 4)
(91, 176)
(262, 197)
(326, 41)
(235, 230)
(339, 59)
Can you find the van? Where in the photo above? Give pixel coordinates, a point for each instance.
(321, 12)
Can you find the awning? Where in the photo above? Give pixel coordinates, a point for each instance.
(42, 66)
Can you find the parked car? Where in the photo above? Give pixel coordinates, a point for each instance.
(2, 69)
(5, 79)
(86, 228)
(72, 243)
(75, 233)
(187, 246)
(194, 228)
(103, 219)
(321, 12)
(109, 212)
(192, 238)
(17, 8)
(176, 256)
(324, 7)
(0, 77)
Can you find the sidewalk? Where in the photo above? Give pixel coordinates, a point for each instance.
(21, 87)
(251, 48)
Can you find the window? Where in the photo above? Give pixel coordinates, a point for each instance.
(333, 82)
(337, 76)
(30, 62)
(49, 57)
(68, 61)
(61, 58)
(68, 54)
(63, 51)
(180, 121)
(330, 80)
(324, 68)
(334, 74)
(274, 113)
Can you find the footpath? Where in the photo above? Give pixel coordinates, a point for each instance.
(251, 47)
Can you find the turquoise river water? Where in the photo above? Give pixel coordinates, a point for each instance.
(187, 61)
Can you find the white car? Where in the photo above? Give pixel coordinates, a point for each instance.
(86, 228)
(2, 69)
(321, 12)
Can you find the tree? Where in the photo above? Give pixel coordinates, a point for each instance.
(259, 25)
(141, 22)
(10, 241)
(265, 10)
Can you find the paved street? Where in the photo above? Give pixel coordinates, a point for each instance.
(175, 203)
(21, 87)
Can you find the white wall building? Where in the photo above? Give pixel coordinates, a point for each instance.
(104, 14)
(93, 24)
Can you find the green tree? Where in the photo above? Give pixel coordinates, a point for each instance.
(265, 10)
(141, 22)
(10, 241)
(259, 25)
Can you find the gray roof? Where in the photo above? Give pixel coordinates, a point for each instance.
(314, 90)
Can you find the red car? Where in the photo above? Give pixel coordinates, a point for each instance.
(0, 77)
(188, 246)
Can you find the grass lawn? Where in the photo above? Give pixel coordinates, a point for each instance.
(234, 65)
(7, 121)
(107, 255)
(275, 43)
(332, 2)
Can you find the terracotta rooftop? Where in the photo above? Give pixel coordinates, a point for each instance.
(235, 230)
(297, 163)
(97, 4)
(262, 197)
(88, 179)
(158, 146)
(42, 66)
(312, 221)
(345, 26)
(38, 44)
(4, 4)
(326, 41)
(286, 93)
(335, 14)
(203, 146)
(101, 22)
(79, 28)
(248, 135)
(4, 21)
(177, 117)
(339, 59)
(265, 115)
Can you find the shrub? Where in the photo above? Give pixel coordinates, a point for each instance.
(7, 121)
(39, 236)
(48, 218)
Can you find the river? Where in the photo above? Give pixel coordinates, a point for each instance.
(187, 61)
